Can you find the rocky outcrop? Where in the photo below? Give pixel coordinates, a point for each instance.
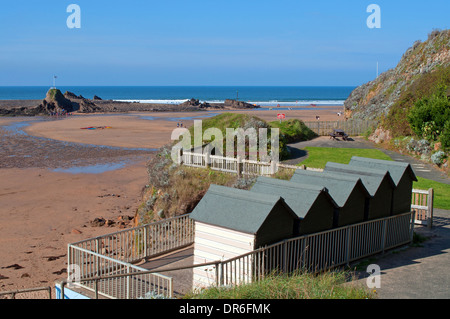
(239, 104)
(380, 136)
(56, 102)
(87, 106)
(375, 98)
(195, 103)
(70, 95)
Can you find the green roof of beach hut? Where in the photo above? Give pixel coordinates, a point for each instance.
(378, 183)
(402, 174)
(347, 191)
(313, 205)
(266, 216)
(397, 170)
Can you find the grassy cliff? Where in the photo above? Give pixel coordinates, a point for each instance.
(175, 190)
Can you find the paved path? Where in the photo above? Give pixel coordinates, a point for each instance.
(417, 272)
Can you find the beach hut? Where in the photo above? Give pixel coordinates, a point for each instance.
(315, 209)
(378, 183)
(230, 222)
(402, 174)
(348, 192)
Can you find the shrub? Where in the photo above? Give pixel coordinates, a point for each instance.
(429, 115)
(421, 146)
(430, 131)
(294, 130)
(445, 135)
(438, 157)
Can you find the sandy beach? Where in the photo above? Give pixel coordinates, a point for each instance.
(135, 130)
(43, 209)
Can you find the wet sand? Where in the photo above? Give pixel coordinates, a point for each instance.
(42, 210)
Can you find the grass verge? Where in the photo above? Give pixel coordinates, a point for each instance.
(441, 192)
(328, 285)
(318, 157)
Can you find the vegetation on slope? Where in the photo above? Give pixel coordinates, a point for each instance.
(425, 90)
(294, 130)
(289, 131)
(328, 285)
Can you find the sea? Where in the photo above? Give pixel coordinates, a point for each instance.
(260, 95)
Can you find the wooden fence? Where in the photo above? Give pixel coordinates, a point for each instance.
(234, 165)
(351, 127)
(422, 205)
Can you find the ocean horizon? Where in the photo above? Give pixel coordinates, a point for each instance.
(261, 95)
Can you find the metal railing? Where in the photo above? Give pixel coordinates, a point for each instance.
(422, 202)
(114, 254)
(320, 251)
(314, 253)
(86, 265)
(135, 244)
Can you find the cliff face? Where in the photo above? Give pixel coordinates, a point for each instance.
(375, 99)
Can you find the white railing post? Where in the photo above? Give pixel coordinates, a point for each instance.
(128, 282)
(145, 242)
(180, 156)
(430, 204)
(208, 155)
(239, 166)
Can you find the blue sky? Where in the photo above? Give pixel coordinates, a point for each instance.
(211, 42)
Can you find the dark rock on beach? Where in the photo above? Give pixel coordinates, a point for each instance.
(56, 102)
(239, 104)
